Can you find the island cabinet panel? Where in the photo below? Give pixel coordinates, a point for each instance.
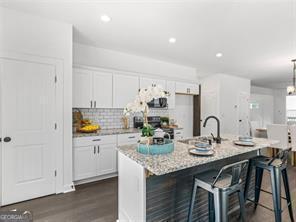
(168, 196)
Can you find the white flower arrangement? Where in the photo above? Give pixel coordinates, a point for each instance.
(144, 96)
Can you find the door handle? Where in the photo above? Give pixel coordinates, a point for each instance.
(98, 149)
(7, 139)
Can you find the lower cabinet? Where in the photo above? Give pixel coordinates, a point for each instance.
(97, 155)
(94, 156)
(107, 159)
(85, 162)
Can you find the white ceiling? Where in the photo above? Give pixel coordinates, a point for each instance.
(257, 37)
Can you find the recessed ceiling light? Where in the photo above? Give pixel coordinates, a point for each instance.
(172, 40)
(219, 54)
(105, 18)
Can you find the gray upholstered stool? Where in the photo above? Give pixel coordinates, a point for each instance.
(220, 184)
(278, 168)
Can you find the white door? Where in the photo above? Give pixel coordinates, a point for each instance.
(243, 114)
(85, 159)
(82, 89)
(125, 89)
(28, 107)
(171, 88)
(107, 159)
(102, 90)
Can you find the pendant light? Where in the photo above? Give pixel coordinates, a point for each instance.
(291, 90)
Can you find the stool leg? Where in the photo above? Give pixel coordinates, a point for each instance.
(224, 206)
(275, 174)
(217, 204)
(191, 207)
(288, 195)
(248, 179)
(211, 207)
(258, 183)
(242, 205)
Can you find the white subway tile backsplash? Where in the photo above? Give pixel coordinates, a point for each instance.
(112, 118)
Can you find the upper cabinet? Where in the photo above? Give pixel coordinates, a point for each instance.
(92, 89)
(187, 88)
(125, 89)
(146, 82)
(82, 88)
(171, 89)
(102, 90)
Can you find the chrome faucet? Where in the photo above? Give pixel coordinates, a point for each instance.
(218, 138)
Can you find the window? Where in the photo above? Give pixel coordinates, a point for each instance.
(291, 109)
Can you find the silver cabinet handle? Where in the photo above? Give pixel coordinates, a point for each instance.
(95, 104)
(98, 149)
(131, 137)
(178, 133)
(94, 149)
(91, 104)
(94, 140)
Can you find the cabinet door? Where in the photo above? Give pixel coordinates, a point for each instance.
(171, 88)
(125, 89)
(182, 87)
(146, 82)
(85, 159)
(107, 159)
(82, 88)
(194, 89)
(102, 90)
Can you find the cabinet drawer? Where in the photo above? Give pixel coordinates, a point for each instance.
(94, 140)
(131, 138)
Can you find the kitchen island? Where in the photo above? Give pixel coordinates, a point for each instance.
(158, 188)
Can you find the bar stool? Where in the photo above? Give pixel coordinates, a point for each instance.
(220, 184)
(277, 167)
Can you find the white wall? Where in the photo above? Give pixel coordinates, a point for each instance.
(280, 105)
(105, 58)
(183, 113)
(27, 34)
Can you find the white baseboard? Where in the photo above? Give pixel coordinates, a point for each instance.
(93, 179)
(69, 188)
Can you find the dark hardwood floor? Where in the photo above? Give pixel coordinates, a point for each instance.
(97, 202)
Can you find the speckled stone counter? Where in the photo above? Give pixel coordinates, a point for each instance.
(105, 132)
(180, 159)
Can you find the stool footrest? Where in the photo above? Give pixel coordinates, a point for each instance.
(266, 191)
(261, 205)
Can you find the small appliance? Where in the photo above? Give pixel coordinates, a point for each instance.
(158, 103)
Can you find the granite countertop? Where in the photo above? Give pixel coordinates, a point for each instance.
(180, 159)
(105, 132)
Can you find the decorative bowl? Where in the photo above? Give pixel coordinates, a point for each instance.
(156, 149)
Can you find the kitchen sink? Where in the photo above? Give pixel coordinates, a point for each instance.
(203, 139)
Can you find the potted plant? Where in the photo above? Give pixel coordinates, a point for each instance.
(140, 105)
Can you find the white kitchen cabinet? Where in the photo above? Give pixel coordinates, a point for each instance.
(94, 156)
(187, 88)
(145, 82)
(125, 89)
(128, 139)
(107, 159)
(85, 162)
(82, 88)
(102, 90)
(92, 89)
(171, 88)
(226, 97)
